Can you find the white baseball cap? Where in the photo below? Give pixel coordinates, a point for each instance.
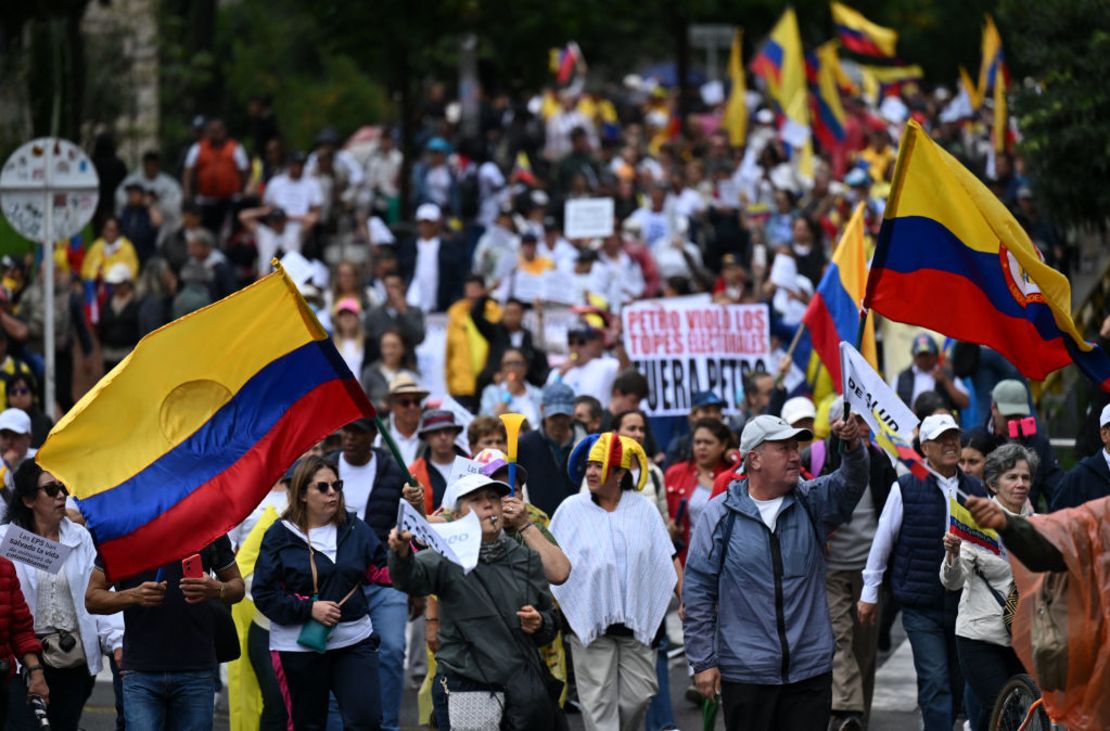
(427, 212)
(15, 420)
(1104, 418)
(467, 484)
(798, 408)
(935, 425)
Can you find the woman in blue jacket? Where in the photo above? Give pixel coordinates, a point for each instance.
(310, 568)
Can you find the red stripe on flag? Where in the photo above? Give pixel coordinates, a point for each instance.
(211, 510)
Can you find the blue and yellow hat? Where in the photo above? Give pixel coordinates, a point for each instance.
(610, 450)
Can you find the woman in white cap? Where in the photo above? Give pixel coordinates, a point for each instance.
(492, 620)
(623, 574)
(118, 328)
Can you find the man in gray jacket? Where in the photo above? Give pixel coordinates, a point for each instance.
(765, 643)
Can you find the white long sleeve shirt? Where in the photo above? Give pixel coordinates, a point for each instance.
(890, 525)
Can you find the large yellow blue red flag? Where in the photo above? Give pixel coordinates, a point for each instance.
(833, 314)
(952, 258)
(860, 36)
(822, 73)
(736, 109)
(181, 440)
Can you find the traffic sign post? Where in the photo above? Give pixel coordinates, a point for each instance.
(48, 191)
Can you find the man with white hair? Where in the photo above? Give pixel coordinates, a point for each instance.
(766, 644)
(911, 528)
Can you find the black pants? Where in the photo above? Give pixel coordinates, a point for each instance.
(805, 705)
(69, 689)
(351, 673)
(274, 717)
(987, 668)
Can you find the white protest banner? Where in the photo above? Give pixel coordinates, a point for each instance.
(463, 466)
(872, 398)
(33, 550)
(686, 347)
(457, 541)
(588, 218)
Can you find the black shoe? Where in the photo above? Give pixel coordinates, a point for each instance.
(884, 642)
(846, 722)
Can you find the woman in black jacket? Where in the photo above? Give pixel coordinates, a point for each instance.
(310, 569)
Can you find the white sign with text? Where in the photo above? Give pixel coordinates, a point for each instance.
(33, 550)
(457, 541)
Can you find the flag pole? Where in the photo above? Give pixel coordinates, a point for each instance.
(790, 353)
(394, 450)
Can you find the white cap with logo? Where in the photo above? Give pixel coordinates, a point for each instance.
(15, 420)
(935, 425)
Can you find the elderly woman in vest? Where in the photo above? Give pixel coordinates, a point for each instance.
(624, 571)
(982, 639)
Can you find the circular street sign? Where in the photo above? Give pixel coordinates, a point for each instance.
(48, 176)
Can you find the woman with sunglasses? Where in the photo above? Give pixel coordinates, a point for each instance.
(21, 395)
(71, 637)
(310, 569)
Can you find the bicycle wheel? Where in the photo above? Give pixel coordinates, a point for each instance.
(1012, 706)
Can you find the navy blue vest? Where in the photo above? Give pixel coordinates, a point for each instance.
(915, 566)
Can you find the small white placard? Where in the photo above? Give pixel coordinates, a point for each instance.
(457, 541)
(588, 218)
(33, 550)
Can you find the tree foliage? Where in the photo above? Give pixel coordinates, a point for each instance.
(1063, 110)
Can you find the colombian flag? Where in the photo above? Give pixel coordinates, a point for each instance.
(963, 526)
(860, 36)
(833, 313)
(781, 63)
(828, 114)
(992, 60)
(951, 257)
(181, 440)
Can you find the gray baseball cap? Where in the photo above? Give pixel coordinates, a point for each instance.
(767, 428)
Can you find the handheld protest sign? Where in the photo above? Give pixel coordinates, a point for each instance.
(512, 424)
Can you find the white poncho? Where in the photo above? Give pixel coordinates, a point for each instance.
(622, 566)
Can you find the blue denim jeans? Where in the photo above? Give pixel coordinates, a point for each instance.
(155, 701)
(932, 635)
(389, 611)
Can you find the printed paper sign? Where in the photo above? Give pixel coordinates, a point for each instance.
(683, 347)
(33, 550)
(457, 541)
(463, 467)
(588, 218)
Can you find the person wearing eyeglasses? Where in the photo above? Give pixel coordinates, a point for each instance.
(73, 640)
(404, 402)
(310, 571)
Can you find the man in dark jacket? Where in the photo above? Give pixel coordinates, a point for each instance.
(433, 265)
(508, 333)
(846, 555)
(1090, 479)
(545, 451)
(393, 314)
(766, 644)
(372, 489)
(910, 532)
(1010, 414)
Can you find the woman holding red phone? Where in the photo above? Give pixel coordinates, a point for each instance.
(307, 582)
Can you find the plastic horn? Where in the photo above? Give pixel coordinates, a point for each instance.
(512, 424)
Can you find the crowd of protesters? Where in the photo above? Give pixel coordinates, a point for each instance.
(788, 584)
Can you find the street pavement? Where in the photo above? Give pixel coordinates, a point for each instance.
(894, 707)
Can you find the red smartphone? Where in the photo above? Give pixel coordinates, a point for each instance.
(191, 567)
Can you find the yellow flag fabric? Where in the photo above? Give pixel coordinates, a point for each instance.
(736, 109)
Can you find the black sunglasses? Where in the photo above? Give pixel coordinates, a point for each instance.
(52, 489)
(323, 487)
(20, 391)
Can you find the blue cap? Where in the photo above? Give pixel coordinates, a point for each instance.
(558, 398)
(922, 343)
(706, 398)
(438, 144)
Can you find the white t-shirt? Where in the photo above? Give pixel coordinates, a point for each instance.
(769, 510)
(593, 378)
(425, 278)
(295, 197)
(655, 226)
(358, 483)
(443, 469)
(352, 352)
(283, 637)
